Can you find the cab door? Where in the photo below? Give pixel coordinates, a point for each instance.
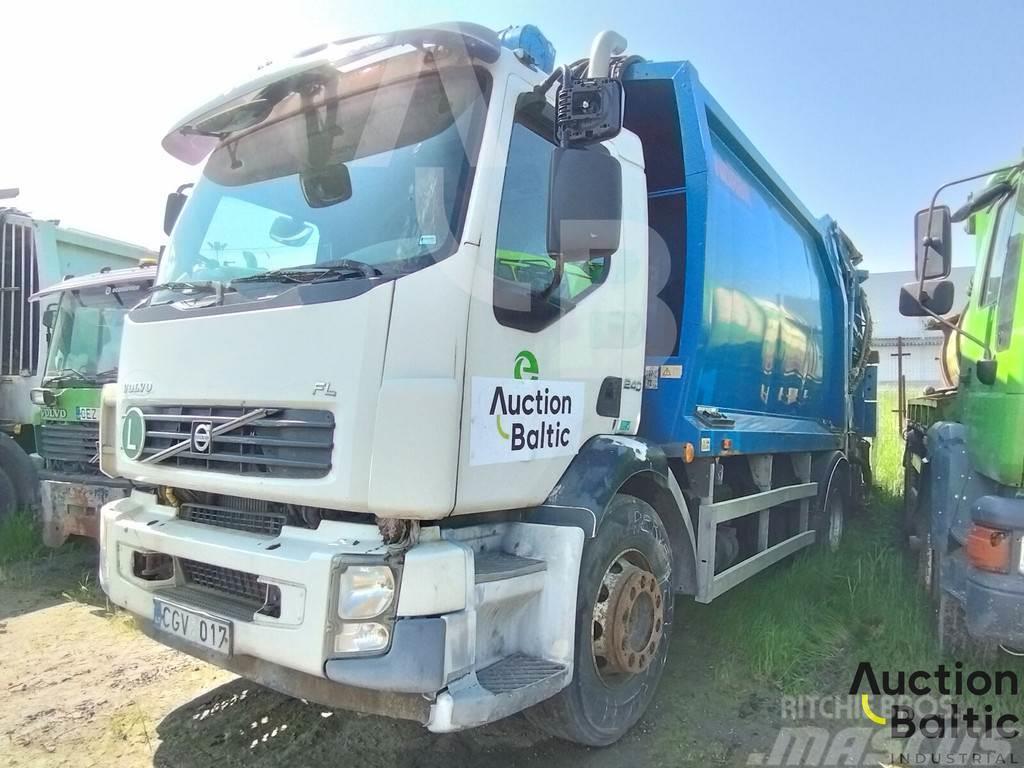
(994, 413)
(545, 363)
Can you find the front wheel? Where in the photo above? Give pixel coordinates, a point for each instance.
(624, 610)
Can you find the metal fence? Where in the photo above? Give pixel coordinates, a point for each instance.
(19, 279)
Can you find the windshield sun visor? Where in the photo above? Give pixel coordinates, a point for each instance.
(363, 62)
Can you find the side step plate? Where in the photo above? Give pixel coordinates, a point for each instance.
(496, 566)
(517, 671)
(502, 689)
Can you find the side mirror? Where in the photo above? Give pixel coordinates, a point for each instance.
(933, 257)
(50, 317)
(585, 199)
(50, 321)
(935, 298)
(985, 370)
(172, 210)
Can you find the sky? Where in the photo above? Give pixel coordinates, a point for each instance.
(864, 108)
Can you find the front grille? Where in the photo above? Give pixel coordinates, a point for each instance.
(70, 447)
(238, 514)
(290, 442)
(225, 580)
(240, 587)
(19, 279)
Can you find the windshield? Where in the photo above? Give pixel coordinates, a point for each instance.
(86, 339)
(379, 178)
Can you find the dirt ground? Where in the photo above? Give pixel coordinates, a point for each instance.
(80, 686)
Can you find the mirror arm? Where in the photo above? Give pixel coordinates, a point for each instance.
(556, 278)
(956, 329)
(931, 212)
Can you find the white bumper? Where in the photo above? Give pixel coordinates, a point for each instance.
(303, 564)
(464, 605)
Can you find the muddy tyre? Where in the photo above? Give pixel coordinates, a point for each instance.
(624, 609)
(21, 473)
(830, 519)
(911, 494)
(8, 496)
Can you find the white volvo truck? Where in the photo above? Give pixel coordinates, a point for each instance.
(441, 398)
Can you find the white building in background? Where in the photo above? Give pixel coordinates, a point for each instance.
(922, 347)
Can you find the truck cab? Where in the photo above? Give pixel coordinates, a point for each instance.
(84, 318)
(964, 458)
(459, 368)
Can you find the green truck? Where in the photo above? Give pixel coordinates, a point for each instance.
(83, 318)
(964, 455)
(35, 257)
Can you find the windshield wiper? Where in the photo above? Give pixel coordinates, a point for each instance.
(315, 273)
(192, 286)
(69, 374)
(110, 373)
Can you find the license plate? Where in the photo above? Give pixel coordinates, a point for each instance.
(194, 627)
(87, 414)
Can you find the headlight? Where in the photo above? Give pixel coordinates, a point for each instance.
(366, 591)
(41, 397)
(361, 638)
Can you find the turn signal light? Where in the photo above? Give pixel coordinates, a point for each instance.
(988, 549)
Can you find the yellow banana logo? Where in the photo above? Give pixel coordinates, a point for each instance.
(866, 706)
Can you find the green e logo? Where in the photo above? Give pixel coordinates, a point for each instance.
(526, 366)
(133, 433)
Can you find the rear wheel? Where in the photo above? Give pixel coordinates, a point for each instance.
(8, 496)
(830, 518)
(21, 473)
(624, 621)
(910, 504)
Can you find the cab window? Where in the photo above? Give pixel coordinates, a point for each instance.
(527, 293)
(997, 254)
(1004, 267)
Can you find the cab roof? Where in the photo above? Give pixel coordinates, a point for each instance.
(189, 146)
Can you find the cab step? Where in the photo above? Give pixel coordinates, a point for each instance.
(499, 690)
(517, 671)
(497, 566)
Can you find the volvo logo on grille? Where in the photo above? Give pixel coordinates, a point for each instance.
(202, 436)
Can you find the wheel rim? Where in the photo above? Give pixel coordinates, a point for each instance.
(629, 619)
(835, 523)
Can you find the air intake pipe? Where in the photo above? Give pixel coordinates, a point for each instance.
(605, 45)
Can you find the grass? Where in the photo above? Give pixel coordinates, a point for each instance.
(804, 627)
(19, 538)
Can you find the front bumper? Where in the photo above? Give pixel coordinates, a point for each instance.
(405, 706)
(481, 626)
(995, 607)
(70, 504)
(303, 565)
(995, 601)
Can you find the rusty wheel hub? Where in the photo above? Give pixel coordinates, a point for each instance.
(628, 619)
